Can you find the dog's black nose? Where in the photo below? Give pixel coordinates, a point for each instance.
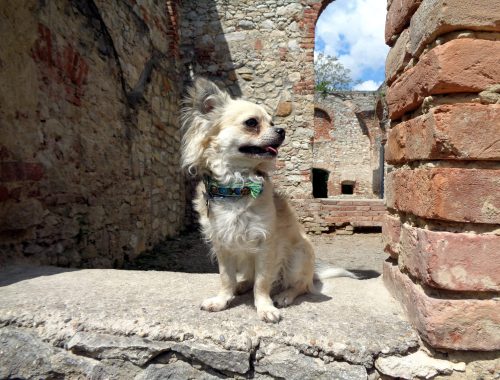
(280, 131)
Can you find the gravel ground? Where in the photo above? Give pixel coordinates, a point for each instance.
(361, 253)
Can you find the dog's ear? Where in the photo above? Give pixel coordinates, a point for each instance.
(200, 110)
(205, 97)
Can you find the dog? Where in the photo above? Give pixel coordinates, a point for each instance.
(232, 145)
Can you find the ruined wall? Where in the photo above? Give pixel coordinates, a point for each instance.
(443, 231)
(338, 215)
(89, 143)
(262, 50)
(347, 141)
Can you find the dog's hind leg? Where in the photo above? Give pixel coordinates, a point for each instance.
(297, 275)
(227, 270)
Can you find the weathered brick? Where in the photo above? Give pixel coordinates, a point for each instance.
(452, 261)
(445, 133)
(391, 231)
(462, 195)
(436, 17)
(21, 171)
(457, 324)
(463, 65)
(398, 57)
(398, 17)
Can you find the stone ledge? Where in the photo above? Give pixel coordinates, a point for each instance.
(142, 322)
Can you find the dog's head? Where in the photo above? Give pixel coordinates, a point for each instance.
(224, 134)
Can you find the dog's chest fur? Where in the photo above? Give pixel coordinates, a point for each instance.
(237, 224)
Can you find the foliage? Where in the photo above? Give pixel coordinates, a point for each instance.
(331, 75)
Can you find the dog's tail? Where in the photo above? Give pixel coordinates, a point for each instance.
(322, 271)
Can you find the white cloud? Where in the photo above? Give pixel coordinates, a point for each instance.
(367, 85)
(353, 31)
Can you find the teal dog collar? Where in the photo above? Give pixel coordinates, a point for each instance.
(233, 190)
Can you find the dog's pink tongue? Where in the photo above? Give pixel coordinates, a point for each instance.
(272, 150)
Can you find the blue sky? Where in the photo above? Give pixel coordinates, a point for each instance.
(353, 31)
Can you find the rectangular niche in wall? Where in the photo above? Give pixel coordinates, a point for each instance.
(347, 187)
(320, 183)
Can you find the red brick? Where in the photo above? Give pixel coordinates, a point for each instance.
(391, 231)
(398, 57)
(330, 208)
(363, 208)
(453, 261)
(437, 17)
(21, 171)
(398, 17)
(463, 65)
(380, 207)
(4, 193)
(445, 133)
(462, 195)
(457, 324)
(365, 223)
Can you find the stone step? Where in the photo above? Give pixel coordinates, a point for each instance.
(149, 324)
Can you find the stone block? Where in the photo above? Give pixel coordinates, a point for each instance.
(461, 195)
(20, 215)
(459, 66)
(284, 109)
(436, 17)
(452, 261)
(445, 133)
(391, 231)
(398, 17)
(455, 324)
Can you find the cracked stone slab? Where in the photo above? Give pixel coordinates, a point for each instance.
(287, 362)
(416, 365)
(23, 355)
(176, 370)
(214, 356)
(106, 346)
(353, 321)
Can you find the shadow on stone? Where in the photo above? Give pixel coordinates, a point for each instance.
(365, 274)
(205, 50)
(16, 273)
(189, 253)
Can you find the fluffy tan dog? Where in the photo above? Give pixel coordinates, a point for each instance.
(232, 144)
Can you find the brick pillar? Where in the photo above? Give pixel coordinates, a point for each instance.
(443, 230)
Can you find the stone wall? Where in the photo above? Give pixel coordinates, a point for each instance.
(262, 50)
(347, 141)
(90, 140)
(89, 144)
(443, 231)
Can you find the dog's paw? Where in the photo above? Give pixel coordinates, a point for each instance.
(284, 298)
(269, 314)
(216, 303)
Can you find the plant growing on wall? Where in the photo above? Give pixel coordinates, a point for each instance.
(331, 75)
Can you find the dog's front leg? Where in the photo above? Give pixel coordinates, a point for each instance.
(227, 270)
(265, 274)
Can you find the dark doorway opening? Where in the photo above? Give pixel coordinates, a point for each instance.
(320, 183)
(347, 188)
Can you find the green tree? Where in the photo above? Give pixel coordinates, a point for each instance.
(331, 75)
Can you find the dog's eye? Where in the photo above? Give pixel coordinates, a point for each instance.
(252, 123)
